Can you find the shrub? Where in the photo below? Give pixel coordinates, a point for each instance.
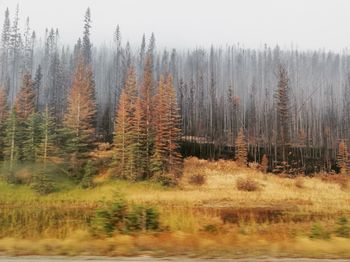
(88, 173)
(318, 232)
(197, 179)
(343, 229)
(299, 182)
(247, 184)
(210, 228)
(42, 184)
(167, 180)
(118, 216)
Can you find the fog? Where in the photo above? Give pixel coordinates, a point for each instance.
(312, 24)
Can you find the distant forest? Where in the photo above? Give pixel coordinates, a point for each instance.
(292, 105)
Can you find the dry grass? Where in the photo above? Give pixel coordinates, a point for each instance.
(273, 221)
(247, 184)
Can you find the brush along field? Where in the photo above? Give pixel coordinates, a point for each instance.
(217, 210)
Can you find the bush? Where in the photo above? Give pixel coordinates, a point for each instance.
(167, 180)
(197, 179)
(247, 184)
(42, 184)
(318, 232)
(88, 173)
(119, 217)
(210, 228)
(343, 229)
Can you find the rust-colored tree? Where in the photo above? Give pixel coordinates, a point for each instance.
(126, 130)
(79, 119)
(147, 124)
(343, 158)
(26, 98)
(167, 120)
(241, 149)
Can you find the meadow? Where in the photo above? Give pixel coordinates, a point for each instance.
(218, 209)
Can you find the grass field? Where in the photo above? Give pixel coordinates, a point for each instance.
(279, 216)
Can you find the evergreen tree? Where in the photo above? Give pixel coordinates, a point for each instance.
(283, 114)
(166, 157)
(11, 139)
(147, 125)
(5, 43)
(36, 85)
(122, 138)
(86, 38)
(173, 128)
(241, 149)
(26, 98)
(31, 136)
(46, 147)
(79, 120)
(3, 118)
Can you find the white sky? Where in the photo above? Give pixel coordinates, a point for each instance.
(306, 24)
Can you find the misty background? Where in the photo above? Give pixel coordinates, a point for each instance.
(312, 24)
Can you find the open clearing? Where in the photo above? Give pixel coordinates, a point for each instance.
(281, 217)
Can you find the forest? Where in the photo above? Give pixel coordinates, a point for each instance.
(138, 150)
(285, 110)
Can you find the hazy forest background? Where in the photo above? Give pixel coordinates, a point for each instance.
(292, 105)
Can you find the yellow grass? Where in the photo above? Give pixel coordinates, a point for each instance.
(186, 211)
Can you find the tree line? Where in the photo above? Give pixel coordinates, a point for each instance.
(146, 132)
(291, 105)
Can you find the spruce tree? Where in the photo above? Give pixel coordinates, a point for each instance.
(122, 138)
(46, 148)
(31, 136)
(3, 118)
(173, 128)
(241, 149)
(166, 157)
(86, 46)
(79, 120)
(26, 98)
(283, 114)
(11, 139)
(147, 125)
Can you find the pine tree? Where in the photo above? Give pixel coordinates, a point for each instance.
(343, 158)
(121, 138)
(158, 161)
(283, 114)
(147, 125)
(36, 85)
(138, 136)
(86, 38)
(11, 139)
(5, 42)
(3, 118)
(241, 148)
(46, 147)
(173, 128)
(31, 136)
(167, 121)
(79, 119)
(26, 98)
(126, 129)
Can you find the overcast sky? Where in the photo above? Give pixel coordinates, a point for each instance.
(306, 24)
